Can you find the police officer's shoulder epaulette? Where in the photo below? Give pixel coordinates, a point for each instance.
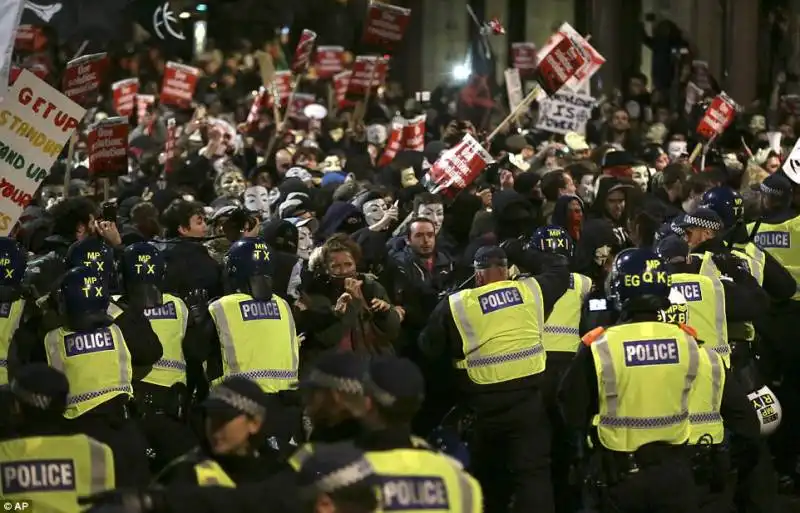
(593, 335)
(688, 329)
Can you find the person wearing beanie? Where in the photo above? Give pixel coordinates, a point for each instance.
(40, 463)
(493, 334)
(236, 447)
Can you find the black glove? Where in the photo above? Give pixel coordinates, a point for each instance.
(197, 302)
(730, 265)
(121, 501)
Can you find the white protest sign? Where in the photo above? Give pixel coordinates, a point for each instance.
(10, 14)
(565, 112)
(36, 121)
(514, 88)
(792, 165)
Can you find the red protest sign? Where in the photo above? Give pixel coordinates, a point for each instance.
(458, 167)
(83, 77)
(143, 102)
(108, 147)
(559, 65)
(385, 24)
(123, 94)
(341, 81)
(299, 102)
(364, 67)
(255, 108)
(718, 116)
(302, 54)
(281, 86)
(329, 60)
(592, 58)
(178, 86)
(30, 38)
(524, 58)
(414, 133)
(393, 144)
(38, 69)
(169, 145)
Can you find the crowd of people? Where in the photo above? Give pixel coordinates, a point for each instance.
(274, 318)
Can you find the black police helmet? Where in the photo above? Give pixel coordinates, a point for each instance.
(143, 270)
(553, 239)
(637, 273)
(83, 298)
(727, 203)
(248, 267)
(13, 260)
(96, 254)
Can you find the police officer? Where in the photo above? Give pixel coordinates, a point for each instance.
(494, 334)
(561, 340)
(632, 384)
(237, 416)
(12, 269)
(95, 356)
(255, 327)
(41, 466)
(160, 391)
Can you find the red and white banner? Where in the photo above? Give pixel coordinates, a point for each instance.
(38, 69)
(302, 54)
(367, 66)
(179, 83)
(458, 167)
(393, 144)
(143, 102)
(281, 86)
(524, 58)
(255, 108)
(341, 81)
(169, 145)
(30, 38)
(718, 116)
(559, 65)
(414, 133)
(329, 60)
(124, 95)
(299, 102)
(107, 146)
(84, 76)
(590, 57)
(385, 24)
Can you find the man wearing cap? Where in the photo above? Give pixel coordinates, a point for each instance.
(493, 333)
(38, 464)
(238, 416)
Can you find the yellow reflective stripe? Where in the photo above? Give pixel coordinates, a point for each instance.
(586, 286)
(51, 345)
(292, 333)
(609, 390)
(761, 260)
(709, 417)
(97, 459)
(467, 500)
(225, 336)
(711, 272)
(459, 311)
(538, 305)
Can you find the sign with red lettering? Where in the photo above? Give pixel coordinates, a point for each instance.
(393, 144)
(340, 83)
(255, 108)
(414, 133)
(364, 68)
(281, 86)
(329, 60)
(591, 58)
(560, 65)
(302, 54)
(124, 95)
(83, 77)
(718, 116)
(36, 121)
(170, 144)
(299, 102)
(108, 147)
(143, 102)
(524, 58)
(385, 25)
(178, 86)
(457, 167)
(30, 38)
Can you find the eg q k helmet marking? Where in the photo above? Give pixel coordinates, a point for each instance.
(636, 273)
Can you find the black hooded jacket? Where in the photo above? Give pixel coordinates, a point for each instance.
(282, 237)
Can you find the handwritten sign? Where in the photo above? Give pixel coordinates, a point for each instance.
(565, 112)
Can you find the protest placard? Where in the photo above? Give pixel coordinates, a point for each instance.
(565, 112)
(108, 147)
(329, 60)
(124, 95)
(178, 86)
(36, 121)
